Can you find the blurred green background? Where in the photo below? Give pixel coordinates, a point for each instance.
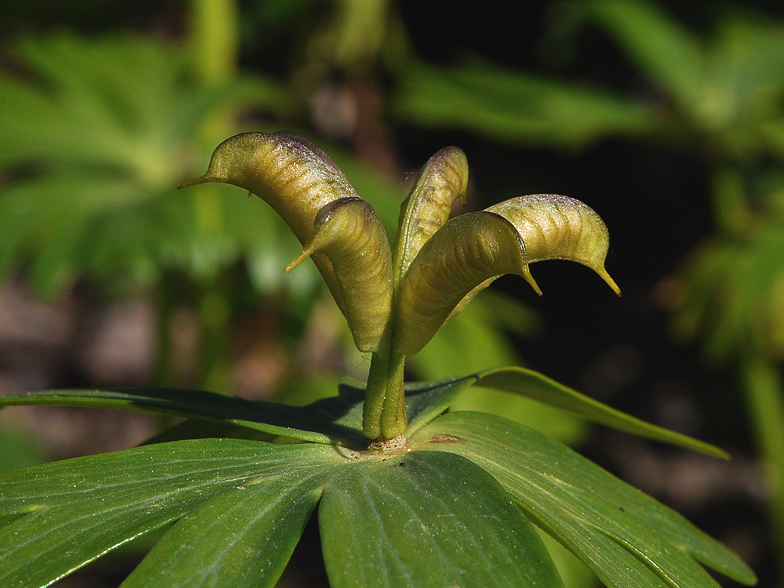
(667, 118)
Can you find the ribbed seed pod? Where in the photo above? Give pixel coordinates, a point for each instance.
(443, 179)
(291, 174)
(297, 179)
(349, 233)
(468, 250)
(558, 227)
(473, 249)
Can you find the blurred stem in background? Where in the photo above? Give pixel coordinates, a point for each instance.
(214, 29)
(214, 38)
(765, 393)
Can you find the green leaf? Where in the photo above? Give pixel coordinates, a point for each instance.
(507, 105)
(317, 423)
(198, 429)
(539, 387)
(667, 52)
(106, 129)
(426, 400)
(623, 535)
(554, 422)
(19, 449)
(76, 510)
(337, 419)
(424, 519)
(241, 538)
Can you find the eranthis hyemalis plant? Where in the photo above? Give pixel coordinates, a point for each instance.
(396, 299)
(406, 491)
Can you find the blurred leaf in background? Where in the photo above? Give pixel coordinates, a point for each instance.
(517, 107)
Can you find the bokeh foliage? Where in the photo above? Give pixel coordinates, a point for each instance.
(96, 130)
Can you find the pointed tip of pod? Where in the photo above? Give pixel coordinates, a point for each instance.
(610, 282)
(530, 279)
(307, 252)
(205, 179)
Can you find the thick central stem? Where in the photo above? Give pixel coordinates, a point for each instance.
(384, 415)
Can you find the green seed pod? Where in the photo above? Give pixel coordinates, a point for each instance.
(443, 179)
(468, 250)
(350, 234)
(558, 227)
(472, 250)
(291, 174)
(298, 180)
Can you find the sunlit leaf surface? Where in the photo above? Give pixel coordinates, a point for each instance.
(457, 525)
(242, 537)
(74, 511)
(534, 385)
(623, 535)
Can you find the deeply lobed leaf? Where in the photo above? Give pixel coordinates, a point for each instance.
(74, 511)
(623, 535)
(242, 506)
(241, 538)
(223, 485)
(427, 520)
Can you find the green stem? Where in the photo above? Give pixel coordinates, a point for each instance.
(393, 413)
(384, 412)
(214, 34)
(214, 39)
(164, 368)
(214, 322)
(765, 394)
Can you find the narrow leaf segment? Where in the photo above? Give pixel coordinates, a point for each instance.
(458, 526)
(623, 535)
(539, 387)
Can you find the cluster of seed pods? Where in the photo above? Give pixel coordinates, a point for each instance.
(395, 299)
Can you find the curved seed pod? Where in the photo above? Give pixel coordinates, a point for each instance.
(291, 174)
(442, 181)
(558, 227)
(553, 227)
(350, 234)
(467, 251)
(472, 250)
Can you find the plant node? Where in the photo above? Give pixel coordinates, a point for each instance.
(397, 444)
